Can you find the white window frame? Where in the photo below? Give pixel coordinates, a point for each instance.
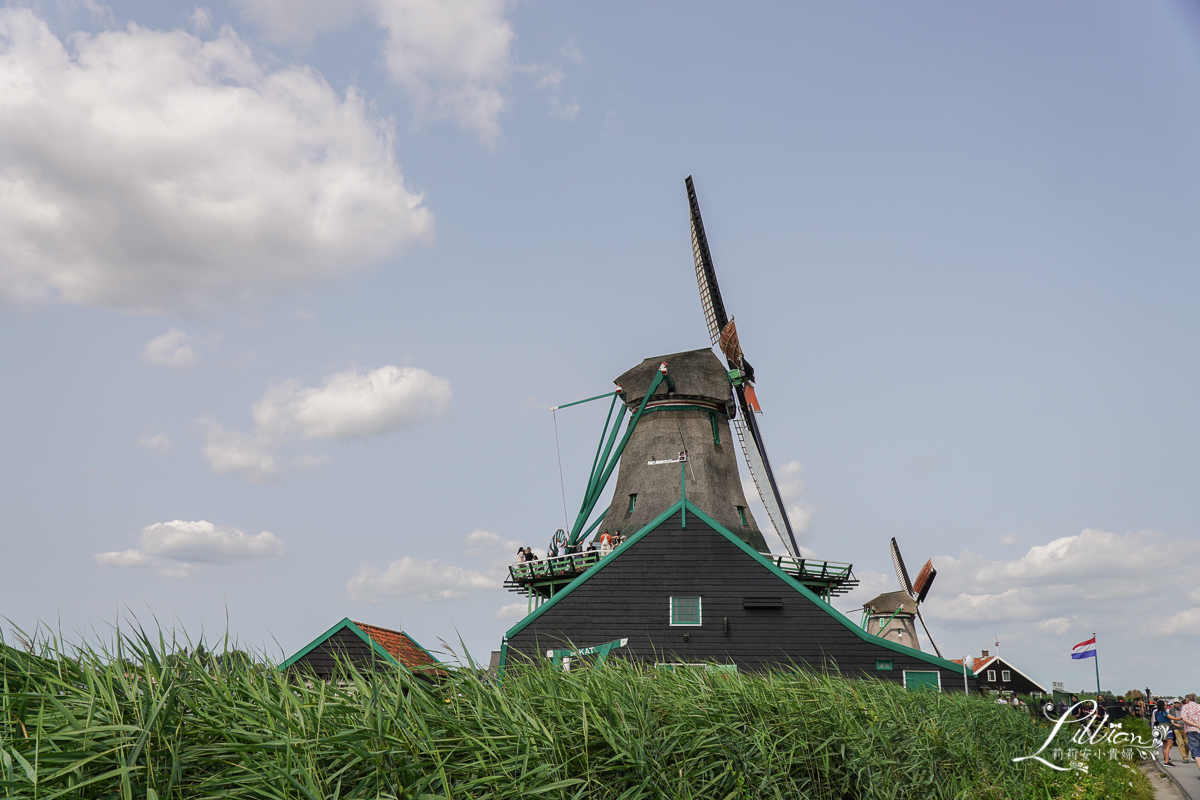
(991, 678)
(699, 611)
(1005, 676)
(924, 672)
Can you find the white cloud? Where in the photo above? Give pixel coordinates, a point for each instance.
(790, 480)
(567, 111)
(355, 404)
(435, 581)
(157, 172)
(424, 581)
(497, 550)
(512, 611)
(308, 461)
(179, 549)
(1091, 581)
(1009, 539)
(171, 350)
(232, 451)
(451, 56)
(159, 443)
(870, 586)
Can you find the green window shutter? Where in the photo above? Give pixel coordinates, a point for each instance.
(632, 503)
(716, 428)
(742, 514)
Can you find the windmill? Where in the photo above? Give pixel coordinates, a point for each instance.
(916, 591)
(723, 332)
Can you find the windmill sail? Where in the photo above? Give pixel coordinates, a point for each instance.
(901, 572)
(916, 591)
(723, 334)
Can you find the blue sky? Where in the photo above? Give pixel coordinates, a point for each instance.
(286, 293)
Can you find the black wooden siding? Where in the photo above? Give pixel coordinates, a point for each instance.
(629, 597)
(345, 645)
(1018, 685)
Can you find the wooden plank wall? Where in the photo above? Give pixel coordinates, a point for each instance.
(345, 644)
(630, 598)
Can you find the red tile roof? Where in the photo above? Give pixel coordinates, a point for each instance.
(403, 648)
(976, 664)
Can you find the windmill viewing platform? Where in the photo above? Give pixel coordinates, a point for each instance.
(540, 580)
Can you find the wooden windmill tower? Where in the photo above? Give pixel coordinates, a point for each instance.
(693, 584)
(894, 615)
(691, 418)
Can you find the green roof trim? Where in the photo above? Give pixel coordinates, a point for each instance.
(599, 565)
(347, 623)
(788, 579)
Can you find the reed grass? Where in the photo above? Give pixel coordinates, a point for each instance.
(139, 719)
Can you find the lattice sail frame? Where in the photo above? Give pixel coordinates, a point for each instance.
(723, 335)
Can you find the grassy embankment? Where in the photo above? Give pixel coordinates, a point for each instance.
(138, 722)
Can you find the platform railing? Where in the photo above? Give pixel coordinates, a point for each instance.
(553, 566)
(813, 568)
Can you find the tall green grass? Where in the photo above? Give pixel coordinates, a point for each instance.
(141, 721)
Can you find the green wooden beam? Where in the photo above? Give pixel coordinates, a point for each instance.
(590, 399)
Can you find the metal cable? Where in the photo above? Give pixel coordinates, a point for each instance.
(683, 442)
(561, 483)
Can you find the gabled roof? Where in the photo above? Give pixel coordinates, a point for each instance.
(752, 553)
(401, 647)
(395, 647)
(979, 665)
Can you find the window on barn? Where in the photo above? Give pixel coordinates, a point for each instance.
(1006, 676)
(685, 611)
(991, 676)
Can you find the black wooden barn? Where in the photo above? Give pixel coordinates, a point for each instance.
(368, 647)
(684, 590)
(998, 676)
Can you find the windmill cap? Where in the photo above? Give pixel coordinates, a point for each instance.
(889, 602)
(697, 374)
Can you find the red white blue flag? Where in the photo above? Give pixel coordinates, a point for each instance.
(1085, 649)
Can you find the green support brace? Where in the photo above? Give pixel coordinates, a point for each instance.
(605, 465)
(683, 491)
(590, 399)
(601, 652)
(883, 627)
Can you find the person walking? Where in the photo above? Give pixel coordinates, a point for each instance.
(1165, 731)
(1190, 714)
(1180, 734)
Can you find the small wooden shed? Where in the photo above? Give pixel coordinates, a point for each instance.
(368, 647)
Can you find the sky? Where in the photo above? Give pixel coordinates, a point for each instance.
(287, 290)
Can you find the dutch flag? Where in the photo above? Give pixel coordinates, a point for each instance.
(1086, 649)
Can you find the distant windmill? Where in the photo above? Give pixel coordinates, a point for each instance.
(723, 332)
(918, 590)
